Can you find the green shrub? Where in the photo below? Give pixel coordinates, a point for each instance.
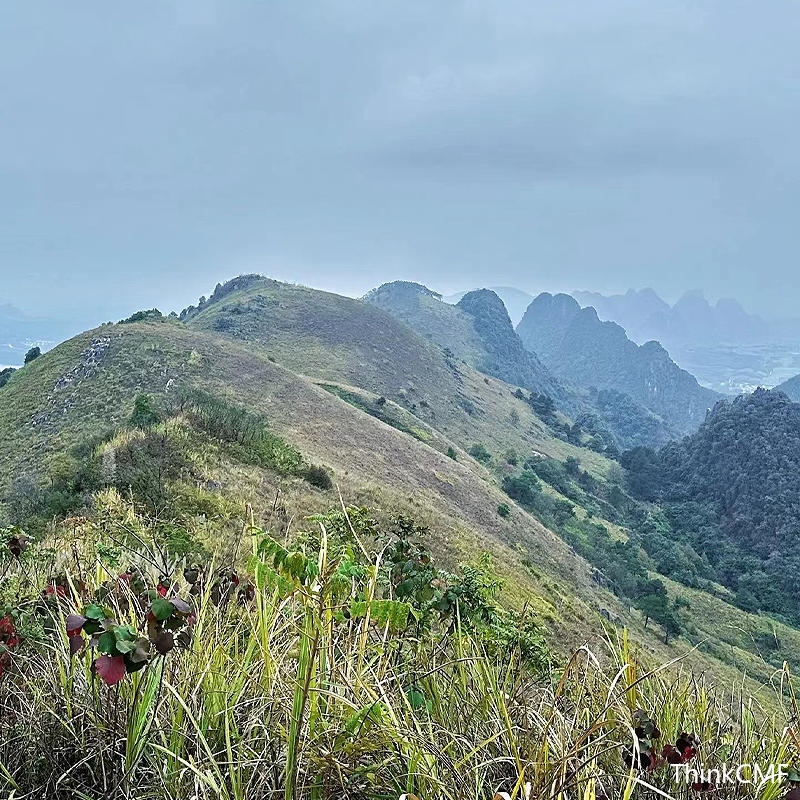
(318, 476)
(141, 316)
(523, 488)
(480, 453)
(503, 509)
(144, 413)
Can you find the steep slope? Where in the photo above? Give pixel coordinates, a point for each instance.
(790, 388)
(505, 356)
(732, 490)
(86, 387)
(478, 330)
(578, 347)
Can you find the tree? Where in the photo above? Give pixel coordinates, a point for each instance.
(653, 606)
(32, 354)
(573, 466)
(671, 623)
(522, 488)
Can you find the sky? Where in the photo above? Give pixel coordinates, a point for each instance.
(151, 149)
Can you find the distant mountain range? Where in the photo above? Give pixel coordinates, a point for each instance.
(727, 348)
(691, 321)
(580, 348)
(478, 330)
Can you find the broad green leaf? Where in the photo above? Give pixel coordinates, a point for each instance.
(162, 608)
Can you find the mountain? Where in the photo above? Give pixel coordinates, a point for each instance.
(579, 348)
(731, 490)
(690, 322)
(247, 434)
(404, 455)
(791, 388)
(631, 310)
(515, 300)
(476, 329)
(343, 341)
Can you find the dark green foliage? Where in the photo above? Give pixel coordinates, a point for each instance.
(555, 473)
(631, 422)
(5, 375)
(592, 432)
(145, 414)
(541, 403)
(503, 509)
(141, 316)
(524, 488)
(644, 472)
(66, 488)
(479, 452)
(318, 476)
(730, 492)
(145, 466)
(32, 354)
(451, 453)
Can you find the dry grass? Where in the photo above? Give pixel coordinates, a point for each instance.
(282, 697)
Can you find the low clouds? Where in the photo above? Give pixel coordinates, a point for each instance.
(147, 153)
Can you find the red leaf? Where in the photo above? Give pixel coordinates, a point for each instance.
(75, 623)
(75, 644)
(110, 668)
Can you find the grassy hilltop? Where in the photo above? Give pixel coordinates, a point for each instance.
(380, 560)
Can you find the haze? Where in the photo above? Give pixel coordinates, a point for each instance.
(149, 150)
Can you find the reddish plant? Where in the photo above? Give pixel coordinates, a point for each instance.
(9, 639)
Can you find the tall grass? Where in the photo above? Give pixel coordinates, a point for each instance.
(322, 686)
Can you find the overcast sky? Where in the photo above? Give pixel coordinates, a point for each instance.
(151, 149)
